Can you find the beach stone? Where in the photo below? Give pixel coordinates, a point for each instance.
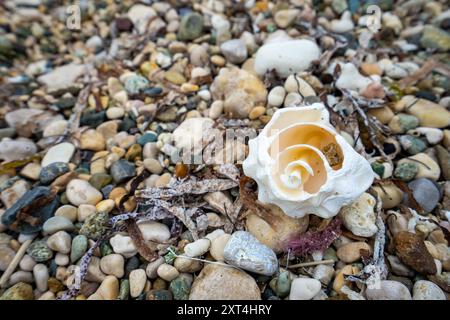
(122, 170)
(40, 273)
(55, 128)
(351, 252)
(84, 211)
(92, 140)
(62, 152)
(234, 51)
(427, 290)
(412, 251)
(138, 279)
(134, 84)
(324, 273)
(190, 133)
(60, 242)
(224, 283)
(154, 231)
(218, 246)
(285, 18)
(187, 265)
(108, 290)
(401, 123)
(239, 90)
(304, 289)
(62, 259)
(6, 256)
(245, 251)
(286, 57)
(123, 245)
(435, 38)
(31, 171)
(444, 161)
(39, 251)
(276, 96)
(81, 192)
(94, 273)
(99, 180)
(20, 276)
(14, 191)
(53, 171)
(430, 114)
(95, 225)
(62, 77)
(197, 248)
(411, 144)
(391, 195)
(167, 272)
(55, 224)
(113, 264)
(180, 288)
(18, 149)
(425, 192)
(161, 294)
(153, 166)
(140, 16)
(389, 290)
(406, 171)
(426, 166)
(153, 266)
(359, 217)
(67, 211)
(19, 291)
(191, 26)
(27, 263)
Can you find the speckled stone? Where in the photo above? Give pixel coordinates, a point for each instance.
(245, 251)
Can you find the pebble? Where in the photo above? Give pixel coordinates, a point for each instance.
(152, 268)
(285, 18)
(430, 114)
(401, 123)
(343, 25)
(216, 109)
(123, 245)
(92, 140)
(113, 264)
(435, 38)
(122, 170)
(62, 259)
(427, 290)
(276, 96)
(424, 166)
(412, 251)
(62, 77)
(191, 26)
(197, 248)
(53, 171)
(62, 152)
(154, 231)
(55, 224)
(351, 252)
(324, 273)
(20, 276)
(19, 291)
(218, 246)
(406, 171)
(180, 288)
(108, 290)
(389, 290)
(223, 283)
(239, 90)
(60, 242)
(85, 211)
(67, 211)
(444, 161)
(40, 273)
(81, 192)
(31, 171)
(426, 193)
(286, 57)
(187, 265)
(167, 272)
(39, 251)
(190, 132)
(21, 148)
(6, 256)
(153, 166)
(138, 280)
(27, 263)
(245, 251)
(412, 145)
(235, 51)
(351, 79)
(304, 289)
(359, 217)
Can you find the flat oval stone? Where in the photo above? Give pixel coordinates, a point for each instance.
(245, 251)
(62, 152)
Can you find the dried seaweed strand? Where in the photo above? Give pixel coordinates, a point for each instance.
(138, 240)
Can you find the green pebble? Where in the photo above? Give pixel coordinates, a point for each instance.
(99, 180)
(281, 285)
(105, 249)
(378, 168)
(39, 251)
(147, 137)
(124, 291)
(406, 171)
(180, 288)
(79, 247)
(95, 225)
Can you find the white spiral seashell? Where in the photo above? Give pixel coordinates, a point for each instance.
(302, 165)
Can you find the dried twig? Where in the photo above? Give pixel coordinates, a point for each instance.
(13, 264)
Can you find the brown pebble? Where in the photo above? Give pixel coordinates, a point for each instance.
(181, 170)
